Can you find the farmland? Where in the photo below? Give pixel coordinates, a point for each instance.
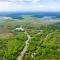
(44, 42)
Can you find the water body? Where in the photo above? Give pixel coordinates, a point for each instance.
(17, 15)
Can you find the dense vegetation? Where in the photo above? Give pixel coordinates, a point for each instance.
(44, 43)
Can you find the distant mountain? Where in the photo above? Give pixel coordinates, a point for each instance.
(17, 15)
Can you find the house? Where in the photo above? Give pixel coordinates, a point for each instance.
(33, 54)
(20, 29)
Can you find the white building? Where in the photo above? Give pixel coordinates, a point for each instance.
(20, 29)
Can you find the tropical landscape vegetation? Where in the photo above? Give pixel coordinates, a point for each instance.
(39, 40)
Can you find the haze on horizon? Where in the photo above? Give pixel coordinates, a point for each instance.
(29, 5)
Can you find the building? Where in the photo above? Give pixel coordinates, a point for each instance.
(20, 29)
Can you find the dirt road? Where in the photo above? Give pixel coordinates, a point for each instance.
(25, 48)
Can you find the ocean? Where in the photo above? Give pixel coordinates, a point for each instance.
(17, 15)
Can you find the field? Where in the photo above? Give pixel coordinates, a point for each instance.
(44, 43)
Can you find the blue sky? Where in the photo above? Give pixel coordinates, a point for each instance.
(29, 5)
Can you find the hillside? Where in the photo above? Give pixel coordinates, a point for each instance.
(44, 42)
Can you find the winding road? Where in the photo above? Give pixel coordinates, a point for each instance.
(25, 48)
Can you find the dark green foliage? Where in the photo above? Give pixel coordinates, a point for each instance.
(45, 39)
(45, 44)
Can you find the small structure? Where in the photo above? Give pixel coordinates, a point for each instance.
(33, 54)
(20, 29)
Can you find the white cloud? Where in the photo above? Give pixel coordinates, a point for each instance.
(29, 5)
(4, 6)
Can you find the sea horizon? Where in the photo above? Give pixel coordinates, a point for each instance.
(17, 15)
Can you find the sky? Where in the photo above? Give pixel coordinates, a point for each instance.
(29, 5)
